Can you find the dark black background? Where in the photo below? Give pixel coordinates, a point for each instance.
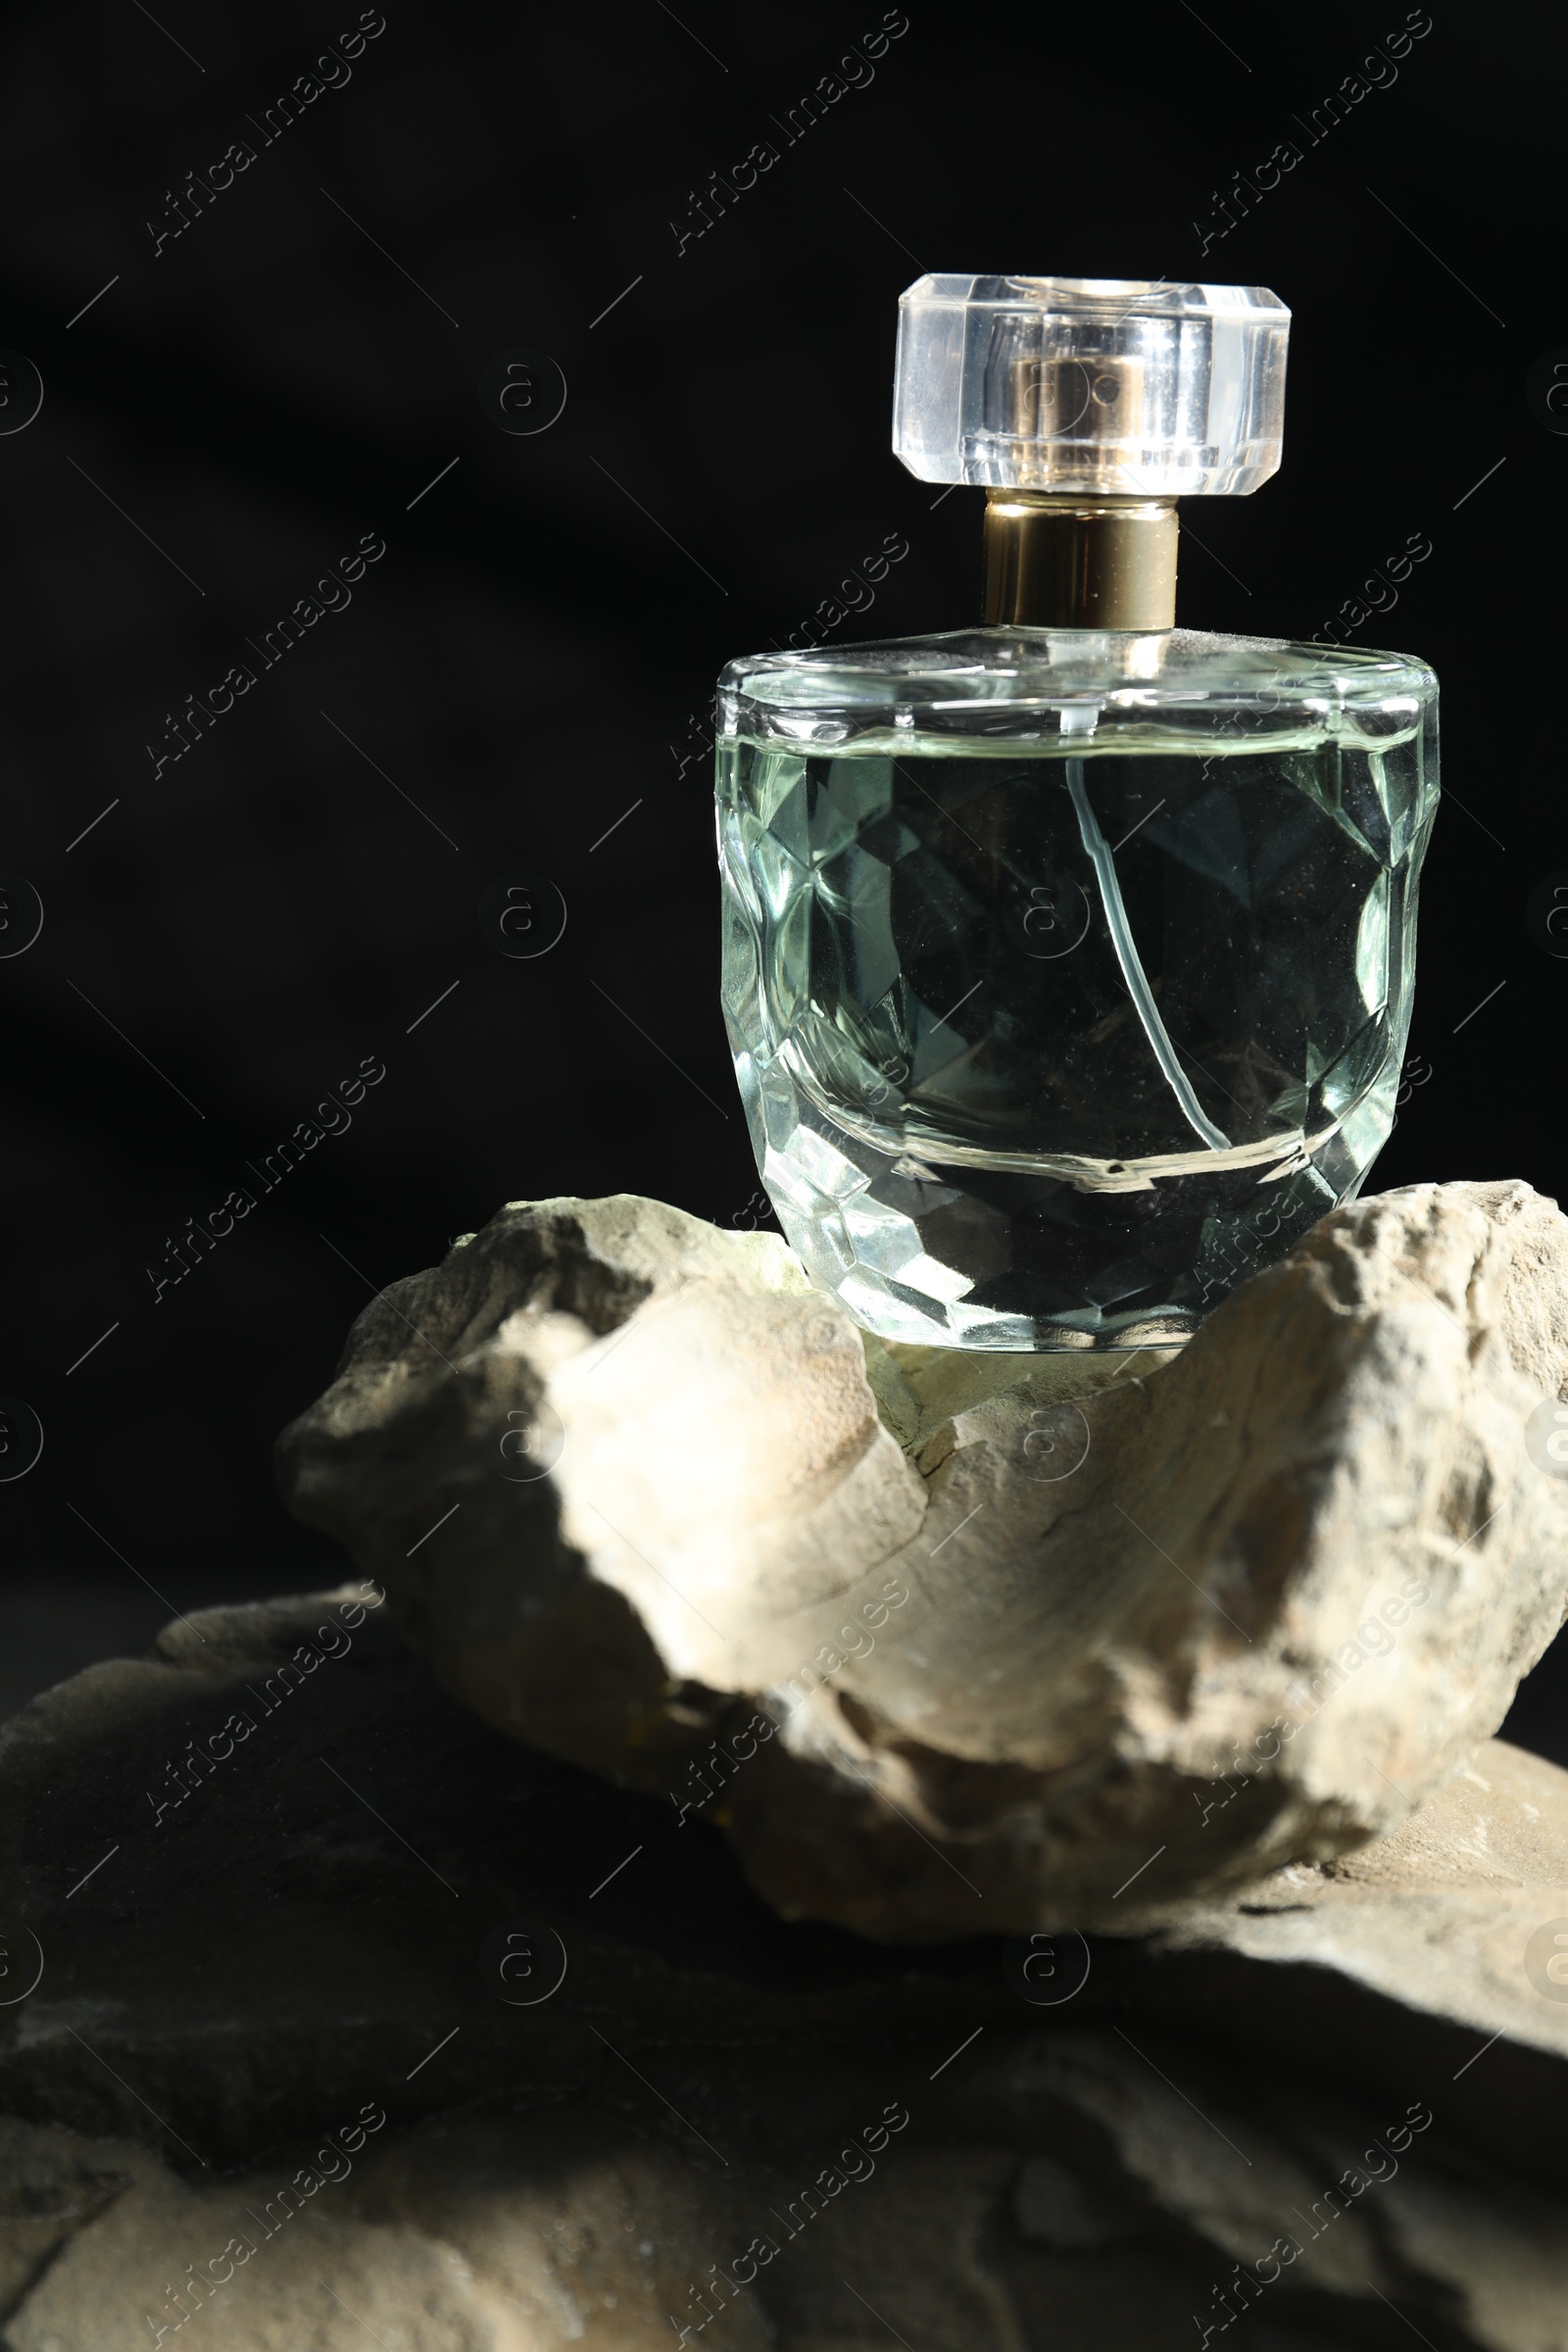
(524, 662)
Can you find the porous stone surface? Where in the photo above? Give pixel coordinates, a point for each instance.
(271, 2085)
(955, 1643)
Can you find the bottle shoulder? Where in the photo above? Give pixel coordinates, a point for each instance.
(1012, 681)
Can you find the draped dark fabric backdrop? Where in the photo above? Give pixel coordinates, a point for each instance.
(320, 619)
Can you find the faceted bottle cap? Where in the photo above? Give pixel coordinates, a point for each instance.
(1113, 386)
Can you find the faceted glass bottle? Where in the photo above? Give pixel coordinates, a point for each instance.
(1068, 969)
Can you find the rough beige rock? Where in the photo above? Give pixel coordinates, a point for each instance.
(1337, 2090)
(1045, 1640)
(269, 2275)
(1084, 2186)
(1465, 1882)
(52, 2183)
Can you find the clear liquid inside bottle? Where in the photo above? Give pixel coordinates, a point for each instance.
(1068, 980)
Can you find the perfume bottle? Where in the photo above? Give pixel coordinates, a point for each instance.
(1068, 960)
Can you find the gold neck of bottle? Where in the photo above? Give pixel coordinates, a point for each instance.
(1083, 563)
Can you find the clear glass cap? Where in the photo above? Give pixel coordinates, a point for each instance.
(1117, 386)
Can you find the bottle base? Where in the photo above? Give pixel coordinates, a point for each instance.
(1006, 1261)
